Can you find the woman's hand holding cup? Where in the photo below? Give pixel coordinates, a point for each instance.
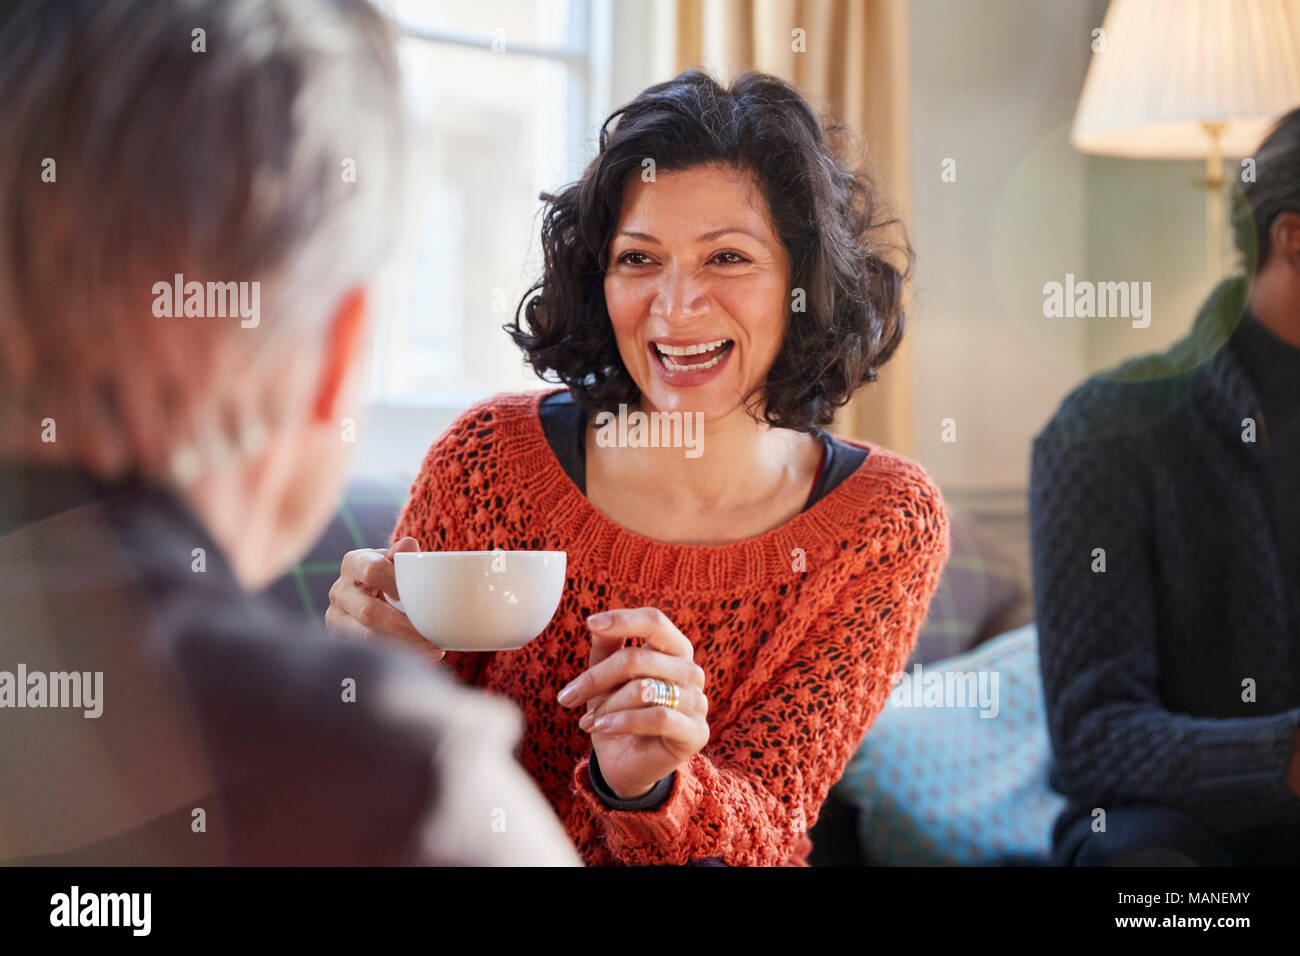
(358, 606)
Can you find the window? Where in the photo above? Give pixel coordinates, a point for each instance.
(504, 102)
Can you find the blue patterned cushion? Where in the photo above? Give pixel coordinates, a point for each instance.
(942, 785)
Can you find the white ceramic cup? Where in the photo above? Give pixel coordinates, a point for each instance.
(479, 600)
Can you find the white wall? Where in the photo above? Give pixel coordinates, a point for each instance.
(1146, 223)
(994, 85)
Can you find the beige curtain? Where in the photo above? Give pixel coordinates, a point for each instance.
(851, 62)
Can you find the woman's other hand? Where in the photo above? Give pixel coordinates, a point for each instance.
(357, 604)
(637, 742)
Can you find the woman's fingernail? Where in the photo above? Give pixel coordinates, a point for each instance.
(602, 724)
(597, 621)
(585, 722)
(568, 695)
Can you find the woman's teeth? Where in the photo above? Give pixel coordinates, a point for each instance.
(691, 349)
(666, 351)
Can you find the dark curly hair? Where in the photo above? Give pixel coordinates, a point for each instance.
(827, 215)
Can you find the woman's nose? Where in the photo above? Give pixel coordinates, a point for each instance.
(678, 296)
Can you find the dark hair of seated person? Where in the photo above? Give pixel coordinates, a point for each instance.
(1274, 188)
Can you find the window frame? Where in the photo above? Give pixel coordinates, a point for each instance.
(586, 55)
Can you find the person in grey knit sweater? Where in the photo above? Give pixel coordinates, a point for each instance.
(1165, 524)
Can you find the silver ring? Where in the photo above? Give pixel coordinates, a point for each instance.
(659, 693)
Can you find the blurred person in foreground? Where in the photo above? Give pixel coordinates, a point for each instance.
(162, 458)
(1166, 535)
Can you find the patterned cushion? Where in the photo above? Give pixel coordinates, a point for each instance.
(365, 519)
(943, 785)
(982, 592)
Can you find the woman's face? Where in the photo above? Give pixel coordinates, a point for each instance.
(698, 289)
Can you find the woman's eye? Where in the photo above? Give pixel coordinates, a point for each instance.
(633, 259)
(730, 258)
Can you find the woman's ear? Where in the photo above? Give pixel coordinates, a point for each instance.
(342, 352)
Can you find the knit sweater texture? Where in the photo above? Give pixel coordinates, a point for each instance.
(801, 631)
(1168, 629)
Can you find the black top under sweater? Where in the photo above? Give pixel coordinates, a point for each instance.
(564, 424)
(1166, 582)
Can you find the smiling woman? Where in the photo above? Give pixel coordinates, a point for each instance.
(758, 195)
(733, 621)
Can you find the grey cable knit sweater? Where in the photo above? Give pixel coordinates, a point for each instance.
(1148, 665)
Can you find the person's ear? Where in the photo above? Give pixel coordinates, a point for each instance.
(341, 353)
(1284, 237)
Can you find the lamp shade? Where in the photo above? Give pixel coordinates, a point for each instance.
(1167, 67)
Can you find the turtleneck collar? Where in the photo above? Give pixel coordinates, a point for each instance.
(1271, 363)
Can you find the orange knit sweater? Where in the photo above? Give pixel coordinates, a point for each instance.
(800, 631)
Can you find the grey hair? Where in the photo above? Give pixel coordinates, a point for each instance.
(226, 164)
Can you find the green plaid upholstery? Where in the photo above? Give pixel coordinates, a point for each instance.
(365, 519)
(982, 592)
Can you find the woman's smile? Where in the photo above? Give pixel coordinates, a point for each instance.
(684, 362)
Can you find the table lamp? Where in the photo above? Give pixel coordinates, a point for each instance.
(1190, 79)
